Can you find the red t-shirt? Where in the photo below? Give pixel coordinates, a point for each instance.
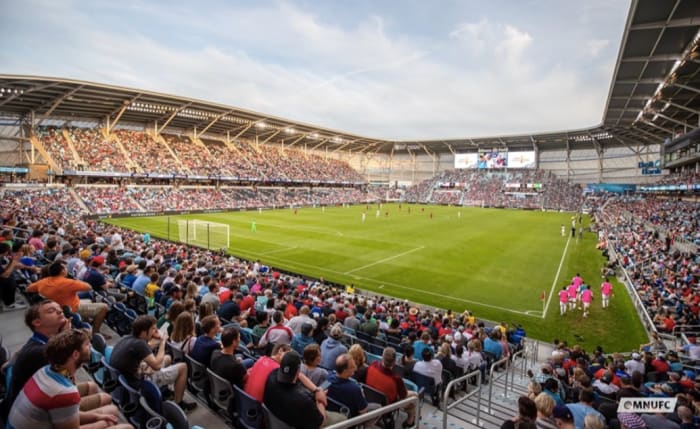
(257, 377)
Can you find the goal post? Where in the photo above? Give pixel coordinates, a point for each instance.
(202, 233)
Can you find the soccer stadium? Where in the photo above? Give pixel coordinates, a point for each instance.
(172, 260)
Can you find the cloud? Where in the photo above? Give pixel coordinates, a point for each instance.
(360, 72)
(595, 47)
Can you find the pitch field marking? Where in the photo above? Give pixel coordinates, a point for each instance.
(382, 283)
(556, 277)
(385, 260)
(285, 249)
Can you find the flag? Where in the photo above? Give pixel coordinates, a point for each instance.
(542, 297)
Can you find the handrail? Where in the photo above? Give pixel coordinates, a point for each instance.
(492, 380)
(511, 368)
(446, 407)
(374, 414)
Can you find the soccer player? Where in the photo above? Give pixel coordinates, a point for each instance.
(563, 300)
(379, 212)
(605, 291)
(586, 298)
(572, 289)
(563, 231)
(364, 215)
(253, 226)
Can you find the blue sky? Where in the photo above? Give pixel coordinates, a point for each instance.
(385, 69)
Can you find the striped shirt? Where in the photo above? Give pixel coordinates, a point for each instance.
(47, 399)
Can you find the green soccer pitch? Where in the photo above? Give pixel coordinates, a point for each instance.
(493, 262)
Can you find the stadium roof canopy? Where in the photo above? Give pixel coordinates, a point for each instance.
(654, 95)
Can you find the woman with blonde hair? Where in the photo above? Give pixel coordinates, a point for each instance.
(533, 389)
(545, 407)
(358, 355)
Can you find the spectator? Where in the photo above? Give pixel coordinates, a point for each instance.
(429, 367)
(8, 264)
(184, 333)
(277, 333)
(527, 414)
(345, 390)
(303, 339)
(207, 343)
(382, 376)
(287, 402)
(64, 291)
(50, 397)
(224, 362)
(310, 365)
(331, 347)
(133, 350)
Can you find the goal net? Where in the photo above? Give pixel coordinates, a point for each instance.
(201, 233)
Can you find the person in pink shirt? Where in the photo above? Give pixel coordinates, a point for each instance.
(605, 291)
(563, 300)
(572, 289)
(577, 280)
(586, 298)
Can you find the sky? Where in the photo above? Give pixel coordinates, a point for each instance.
(397, 70)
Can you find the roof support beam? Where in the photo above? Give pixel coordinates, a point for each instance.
(170, 118)
(112, 124)
(686, 87)
(660, 57)
(57, 103)
(684, 124)
(245, 128)
(319, 144)
(271, 136)
(215, 120)
(128, 102)
(300, 138)
(643, 131)
(651, 124)
(678, 106)
(342, 146)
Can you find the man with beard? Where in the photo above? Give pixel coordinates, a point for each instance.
(46, 320)
(50, 397)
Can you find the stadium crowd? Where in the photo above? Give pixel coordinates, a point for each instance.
(656, 241)
(139, 152)
(495, 188)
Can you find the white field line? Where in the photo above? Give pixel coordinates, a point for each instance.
(385, 260)
(556, 278)
(399, 286)
(285, 249)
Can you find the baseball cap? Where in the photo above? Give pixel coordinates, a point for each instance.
(636, 356)
(562, 412)
(291, 361)
(99, 260)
